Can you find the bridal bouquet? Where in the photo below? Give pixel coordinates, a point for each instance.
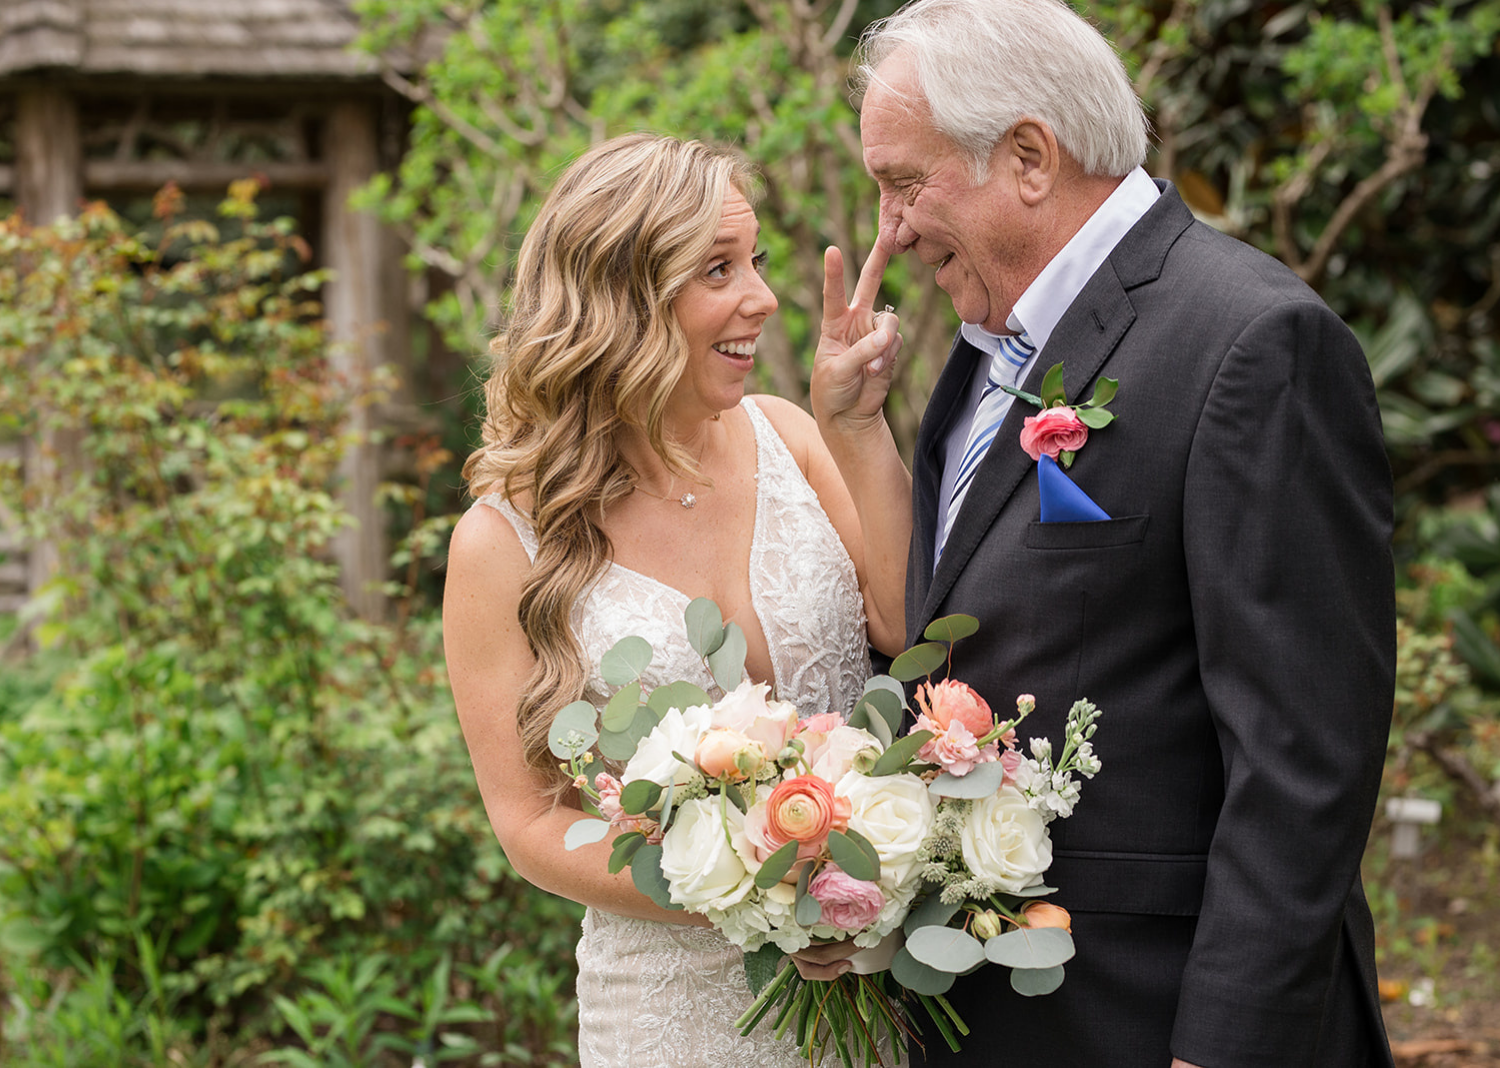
(787, 832)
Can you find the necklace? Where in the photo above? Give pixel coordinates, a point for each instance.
(688, 499)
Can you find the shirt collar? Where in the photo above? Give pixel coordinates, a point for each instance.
(1041, 306)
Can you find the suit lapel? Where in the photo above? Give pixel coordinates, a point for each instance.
(927, 463)
(1083, 341)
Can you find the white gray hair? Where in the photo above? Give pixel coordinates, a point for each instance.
(983, 65)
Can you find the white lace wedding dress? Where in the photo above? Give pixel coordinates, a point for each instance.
(652, 995)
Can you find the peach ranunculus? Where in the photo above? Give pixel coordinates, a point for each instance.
(1053, 431)
(723, 752)
(1046, 914)
(805, 809)
(950, 700)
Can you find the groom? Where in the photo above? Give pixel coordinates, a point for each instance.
(1232, 610)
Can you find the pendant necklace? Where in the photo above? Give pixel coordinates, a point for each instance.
(688, 499)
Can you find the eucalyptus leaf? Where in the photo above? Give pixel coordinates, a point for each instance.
(625, 661)
(982, 781)
(1052, 387)
(705, 625)
(930, 911)
(918, 977)
(1030, 947)
(573, 730)
(1094, 418)
(866, 717)
(776, 866)
(1032, 891)
(809, 910)
(624, 849)
(947, 949)
(639, 797)
(761, 966)
(621, 745)
(584, 832)
(727, 662)
(1104, 392)
(620, 709)
(900, 752)
(886, 706)
(679, 695)
(919, 661)
(645, 871)
(853, 852)
(1034, 982)
(951, 628)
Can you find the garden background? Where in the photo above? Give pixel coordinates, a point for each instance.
(237, 822)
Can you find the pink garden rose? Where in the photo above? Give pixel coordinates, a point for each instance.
(1053, 431)
(954, 750)
(849, 904)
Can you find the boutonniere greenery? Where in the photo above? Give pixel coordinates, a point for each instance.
(1060, 429)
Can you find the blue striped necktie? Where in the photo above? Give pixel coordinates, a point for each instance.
(1005, 365)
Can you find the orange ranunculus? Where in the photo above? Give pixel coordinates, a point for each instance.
(805, 809)
(1046, 914)
(949, 700)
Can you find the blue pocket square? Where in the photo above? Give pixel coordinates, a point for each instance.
(1062, 501)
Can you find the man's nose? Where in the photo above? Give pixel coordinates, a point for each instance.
(894, 230)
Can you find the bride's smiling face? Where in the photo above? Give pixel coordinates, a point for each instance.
(721, 312)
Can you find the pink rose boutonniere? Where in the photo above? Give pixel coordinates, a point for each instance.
(1060, 429)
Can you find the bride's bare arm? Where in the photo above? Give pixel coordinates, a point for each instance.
(488, 665)
(852, 374)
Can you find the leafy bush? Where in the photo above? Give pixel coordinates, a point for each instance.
(233, 801)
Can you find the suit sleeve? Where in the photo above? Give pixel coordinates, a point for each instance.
(1287, 525)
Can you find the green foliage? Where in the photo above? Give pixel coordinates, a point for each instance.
(226, 807)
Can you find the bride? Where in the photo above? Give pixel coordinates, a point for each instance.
(623, 472)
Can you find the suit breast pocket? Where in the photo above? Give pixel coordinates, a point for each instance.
(1101, 534)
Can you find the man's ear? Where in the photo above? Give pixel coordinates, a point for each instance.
(1036, 157)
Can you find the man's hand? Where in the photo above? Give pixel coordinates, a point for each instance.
(856, 356)
(1178, 1062)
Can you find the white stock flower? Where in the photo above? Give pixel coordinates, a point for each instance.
(895, 813)
(1004, 840)
(679, 732)
(702, 870)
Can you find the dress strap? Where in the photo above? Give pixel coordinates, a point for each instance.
(524, 529)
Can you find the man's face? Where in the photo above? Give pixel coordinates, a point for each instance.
(973, 234)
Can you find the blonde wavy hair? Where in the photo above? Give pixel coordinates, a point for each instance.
(592, 346)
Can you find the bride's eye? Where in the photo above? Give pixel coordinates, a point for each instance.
(718, 269)
(759, 261)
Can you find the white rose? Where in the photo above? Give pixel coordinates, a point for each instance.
(745, 709)
(1004, 839)
(702, 870)
(678, 731)
(895, 813)
(835, 756)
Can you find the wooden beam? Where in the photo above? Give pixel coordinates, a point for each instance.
(149, 175)
(48, 183)
(353, 247)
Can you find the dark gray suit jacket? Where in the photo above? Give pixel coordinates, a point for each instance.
(1235, 622)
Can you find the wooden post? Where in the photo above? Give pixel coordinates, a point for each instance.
(354, 247)
(48, 179)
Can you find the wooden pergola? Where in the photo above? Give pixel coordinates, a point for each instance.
(110, 99)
